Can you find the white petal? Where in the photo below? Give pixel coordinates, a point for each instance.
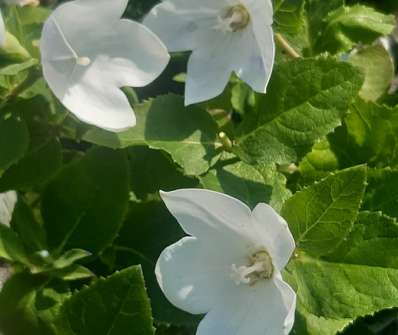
(181, 24)
(260, 10)
(263, 309)
(116, 52)
(210, 216)
(257, 59)
(8, 201)
(210, 66)
(96, 103)
(274, 233)
(131, 55)
(2, 30)
(194, 275)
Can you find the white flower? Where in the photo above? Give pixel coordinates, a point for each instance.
(88, 53)
(229, 267)
(224, 35)
(8, 201)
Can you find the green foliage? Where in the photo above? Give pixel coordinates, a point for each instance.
(81, 221)
(189, 135)
(290, 121)
(111, 306)
(92, 194)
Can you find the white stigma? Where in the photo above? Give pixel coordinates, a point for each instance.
(260, 267)
(83, 61)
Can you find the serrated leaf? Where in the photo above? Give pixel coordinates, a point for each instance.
(249, 184)
(372, 231)
(332, 295)
(7, 205)
(322, 215)
(84, 205)
(347, 26)
(188, 134)
(28, 304)
(14, 141)
(290, 120)
(112, 306)
(374, 131)
(378, 68)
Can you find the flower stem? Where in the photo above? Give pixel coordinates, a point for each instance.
(286, 46)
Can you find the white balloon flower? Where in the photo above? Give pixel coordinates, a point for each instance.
(225, 36)
(229, 267)
(89, 52)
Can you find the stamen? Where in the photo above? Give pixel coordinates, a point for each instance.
(83, 61)
(233, 19)
(261, 267)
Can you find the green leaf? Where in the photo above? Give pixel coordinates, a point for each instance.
(289, 121)
(11, 247)
(29, 304)
(70, 257)
(289, 15)
(318, 163)
(112, 306)
(249, 184)
(7, 205)
(14, 141)
(322, 215)
(14, 69)
(28, 229)
(348, 26)
(382, 193)
(84, 205)
(37, 167)
(372, 231)
(153, 170)
(147, 231)
(376, 64)
(374, 132)
(188, 134)
(332, 295)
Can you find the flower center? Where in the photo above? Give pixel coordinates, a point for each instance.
(234, 18)
(83, 61)
(260, 267)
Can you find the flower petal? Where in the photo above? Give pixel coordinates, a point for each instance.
(210, 67)
(194, 274)
(115, 54)
(94, 102)
(260, 11)
(211, 216)
(257, 59)
(181, 24)
(131, 55)
(273, 232)
(263, 309)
